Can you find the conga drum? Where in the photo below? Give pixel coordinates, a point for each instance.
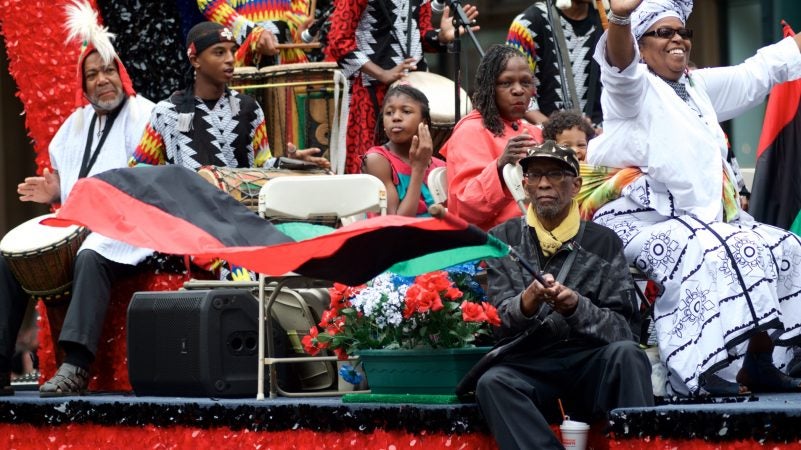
(244, 184)
(440, 93)
(42, 259)
(305, 104)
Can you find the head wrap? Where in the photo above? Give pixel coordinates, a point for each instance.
(204, 35)
(199, 38)
(564, 4)
(651, 11)
(82, 24)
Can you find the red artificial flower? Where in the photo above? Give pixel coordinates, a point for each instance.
(341, 294)
(328, 317)
(435, 281)
(410, 304)
(337, 293)
(421, 300)
(492, 314)
(453, 293)
(437, 304)
(342, 355)
(335, 326)
(309, 346)
(473, 312)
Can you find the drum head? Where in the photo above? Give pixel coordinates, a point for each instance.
(300, 67)
(440, 92)
(245, 70)
(32, 235)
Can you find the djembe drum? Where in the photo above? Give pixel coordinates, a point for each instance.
(305, 104)
(42, 259)
(244, 184)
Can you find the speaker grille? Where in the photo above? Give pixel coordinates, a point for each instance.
(181, 343)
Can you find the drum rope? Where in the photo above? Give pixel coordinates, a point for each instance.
(287, 84)
(289, 121)
(307, 119)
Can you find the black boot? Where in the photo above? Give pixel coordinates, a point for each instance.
(760, 375)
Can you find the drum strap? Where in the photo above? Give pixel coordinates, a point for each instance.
(88, 162)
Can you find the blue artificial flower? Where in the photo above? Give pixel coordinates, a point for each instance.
(349, 374)
(399, 281)
(476, 288)
(470, 268)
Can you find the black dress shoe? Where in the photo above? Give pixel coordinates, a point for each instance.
(5, 384)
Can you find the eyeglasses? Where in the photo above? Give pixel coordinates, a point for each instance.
(554, 176)
(667, 33)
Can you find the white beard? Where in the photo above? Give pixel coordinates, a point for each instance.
(109, 105)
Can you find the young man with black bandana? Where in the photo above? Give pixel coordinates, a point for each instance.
(207, 123)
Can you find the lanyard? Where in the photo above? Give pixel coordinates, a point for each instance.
(88, 163)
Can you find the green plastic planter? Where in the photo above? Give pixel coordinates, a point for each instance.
(418, 371)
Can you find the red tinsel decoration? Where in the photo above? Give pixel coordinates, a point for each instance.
(42, 65)
(96, 436)
(89, 436)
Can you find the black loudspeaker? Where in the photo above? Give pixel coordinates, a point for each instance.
(194, 343)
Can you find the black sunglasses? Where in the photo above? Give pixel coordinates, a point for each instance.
(667, 33)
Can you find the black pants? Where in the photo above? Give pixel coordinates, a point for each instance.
(13, 301)
(91, 291)
(519, 396)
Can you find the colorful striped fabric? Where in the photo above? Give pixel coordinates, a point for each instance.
(730, 200)
(151, 149)
(601, 185)
(521, 38)
(245, 16)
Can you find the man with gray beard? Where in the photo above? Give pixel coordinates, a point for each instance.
(573, 339)
(101, 134)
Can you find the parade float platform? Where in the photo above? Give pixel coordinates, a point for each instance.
(114, 420)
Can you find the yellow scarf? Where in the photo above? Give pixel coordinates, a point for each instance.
(551, 241)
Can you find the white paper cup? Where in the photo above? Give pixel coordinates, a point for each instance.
(574, 434)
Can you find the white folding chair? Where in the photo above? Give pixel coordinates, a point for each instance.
(321, 197)
(513, 177)
(438, 184)
(314, 197)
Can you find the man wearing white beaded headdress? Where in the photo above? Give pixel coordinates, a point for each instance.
(731, 286)
(100, 135)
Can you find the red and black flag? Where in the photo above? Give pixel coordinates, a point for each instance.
(173, 210)
(776, 193)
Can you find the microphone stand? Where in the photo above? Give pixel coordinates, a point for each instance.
(460, 20)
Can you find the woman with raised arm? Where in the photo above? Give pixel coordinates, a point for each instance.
(731, 286)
